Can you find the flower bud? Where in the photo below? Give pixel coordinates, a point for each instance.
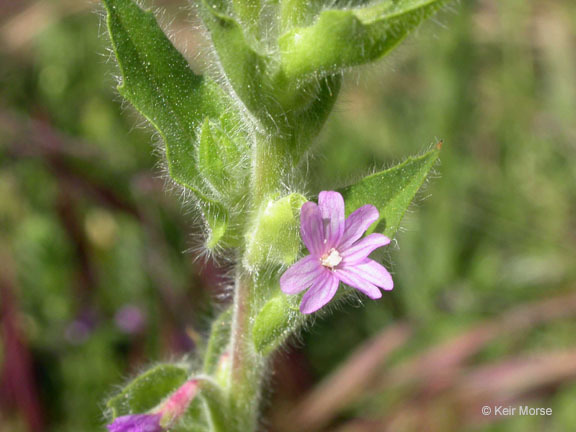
(175, 407)
(163, 417)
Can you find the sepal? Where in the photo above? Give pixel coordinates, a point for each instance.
(278, 318)
(148, 390)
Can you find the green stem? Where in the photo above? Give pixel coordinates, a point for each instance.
(247, 365)
(247, 370)
(241, 324)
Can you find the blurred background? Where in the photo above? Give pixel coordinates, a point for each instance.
(98, 277)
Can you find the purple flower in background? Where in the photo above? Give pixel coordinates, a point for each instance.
(137, 423)
(130, 319)
(337, 254)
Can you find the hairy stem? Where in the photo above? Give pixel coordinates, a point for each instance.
(240, 328)
(247, 365)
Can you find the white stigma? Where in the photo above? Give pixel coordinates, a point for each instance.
(331, 259)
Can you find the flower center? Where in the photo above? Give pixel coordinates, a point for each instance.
(331, 259)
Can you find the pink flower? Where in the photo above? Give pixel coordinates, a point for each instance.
(163, 417)
(337, 254)
(178, 402)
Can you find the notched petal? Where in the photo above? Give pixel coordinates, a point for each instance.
(331, 206)
(356, 225)
(375, 273)
(355, 280)
(360, 250)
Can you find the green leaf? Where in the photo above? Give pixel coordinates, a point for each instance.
(275, 237)
(158, 81)
(277, 319)
(147, 390)
(277, 102)
(344, 38)
(221, 161)
(391, 191)
(216, 218)
(307, 121)
(223, 166)
(244, 67)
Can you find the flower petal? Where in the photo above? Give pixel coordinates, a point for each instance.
(301, 275)
(322, 292)
(332, 210)
(136, 423)
(369, 271)
(312, 228)
(356, 225)
(351, 277)
(374, 273)
(360, 251)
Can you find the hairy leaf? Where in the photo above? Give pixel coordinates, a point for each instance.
(308, 120)
(244, 67)
(158, 81)
(147, 390)
(279, 103)
(344, 38)
(221, 161)
(391, 191)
